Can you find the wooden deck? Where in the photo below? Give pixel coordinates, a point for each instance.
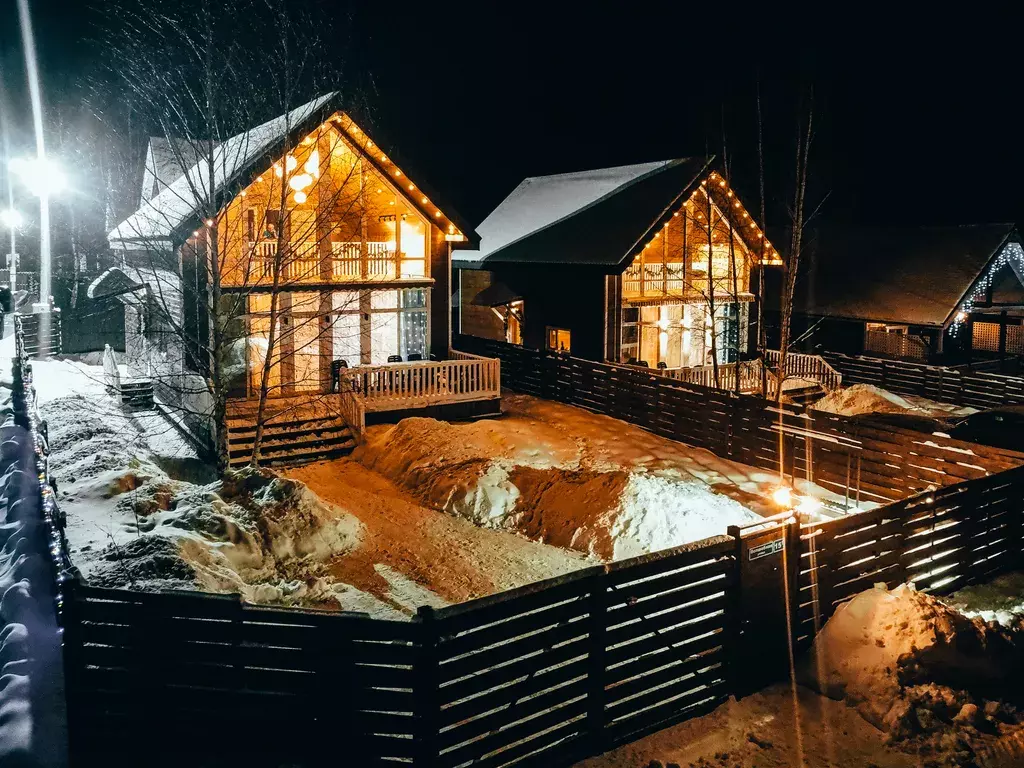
(311, 425)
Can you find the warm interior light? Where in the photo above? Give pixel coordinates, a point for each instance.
(782, 496)
(290, 163)
(300, 196)
(312, 165)
(300, 181)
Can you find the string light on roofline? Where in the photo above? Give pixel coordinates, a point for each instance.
(1013, 253)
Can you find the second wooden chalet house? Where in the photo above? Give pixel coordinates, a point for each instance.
(332, 261)
(645, 264)
(928, 294)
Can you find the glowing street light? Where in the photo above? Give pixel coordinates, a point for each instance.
(43, 178)
(11, 218)
(40, 175)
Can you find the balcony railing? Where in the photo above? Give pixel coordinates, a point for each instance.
(348, 262)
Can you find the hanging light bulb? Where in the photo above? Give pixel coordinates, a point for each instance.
(278, 171)
(312, 165)
(301, 181)
(299, 196)
(290, 163)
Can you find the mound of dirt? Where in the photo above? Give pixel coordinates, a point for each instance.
(937, 682)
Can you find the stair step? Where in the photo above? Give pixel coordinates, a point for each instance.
(315, 439)
(250, 426)
(295, 457)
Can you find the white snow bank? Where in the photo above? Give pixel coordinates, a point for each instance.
(890, 653)
(548, 488)
(867, 398)
(132, 525)
(863, 398)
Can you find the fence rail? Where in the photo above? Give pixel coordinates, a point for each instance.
(834, 451)
(753, 375)
(958, 386)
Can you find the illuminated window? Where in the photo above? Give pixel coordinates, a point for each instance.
(559, 339)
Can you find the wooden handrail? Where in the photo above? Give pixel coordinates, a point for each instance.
(803, 366)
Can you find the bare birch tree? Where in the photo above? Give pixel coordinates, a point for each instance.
(804, 139)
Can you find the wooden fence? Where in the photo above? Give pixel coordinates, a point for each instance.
(834, 451)
(958, 386)
(548, 673)
(544, 674)
(941, 541)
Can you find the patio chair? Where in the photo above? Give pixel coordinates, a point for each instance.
(662, 364)
(644, 364)
(336, 366)
(415, 357)
(394, 358)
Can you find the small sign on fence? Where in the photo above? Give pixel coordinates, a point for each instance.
(765, 549)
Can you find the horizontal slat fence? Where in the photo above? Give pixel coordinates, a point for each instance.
(826, 447)
(941, 541)
(959, 386)
(141, 666)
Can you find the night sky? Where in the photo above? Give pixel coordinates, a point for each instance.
(917, 119)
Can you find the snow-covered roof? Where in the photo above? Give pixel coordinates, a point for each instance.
(166, 162)
(540, 201)
(161, 218)
(588, 217)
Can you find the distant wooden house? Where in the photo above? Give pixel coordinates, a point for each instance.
(646, 264)
(918, 293)
(334, 267)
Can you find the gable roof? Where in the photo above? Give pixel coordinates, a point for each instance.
(166, 162)
(172, 215)
(907, 275)
(599, 217)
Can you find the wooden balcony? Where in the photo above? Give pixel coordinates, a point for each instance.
(348, 262)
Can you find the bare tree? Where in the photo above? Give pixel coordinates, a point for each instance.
(804, 138)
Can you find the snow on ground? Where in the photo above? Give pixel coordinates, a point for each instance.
(144, 512)
(867, 398)
(895, 678)
(571, 478)
(1000, 600)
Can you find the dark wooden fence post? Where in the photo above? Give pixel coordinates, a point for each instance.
(597, 629)
(425, 689)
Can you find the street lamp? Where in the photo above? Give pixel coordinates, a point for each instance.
(43, 178)
(12, 219)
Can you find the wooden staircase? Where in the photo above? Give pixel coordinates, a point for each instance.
(293, 433)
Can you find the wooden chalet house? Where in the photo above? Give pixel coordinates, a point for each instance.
(930, 294)
(334, 266)
(645, 264)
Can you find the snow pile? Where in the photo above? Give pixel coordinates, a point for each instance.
(548, 492)
(864, 398)
(932, 678)
(867, 398)
(131, 524)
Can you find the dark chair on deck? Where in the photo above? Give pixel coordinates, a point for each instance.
(336, 366)
(415, 357)
(662, 365)
(644, 364)
(394, 358)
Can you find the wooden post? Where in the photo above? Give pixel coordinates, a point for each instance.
(597, 627)
(425, 690)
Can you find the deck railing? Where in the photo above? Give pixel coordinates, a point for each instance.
(895, 344)
(801, 366)
(393, 386)
(752, 376)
